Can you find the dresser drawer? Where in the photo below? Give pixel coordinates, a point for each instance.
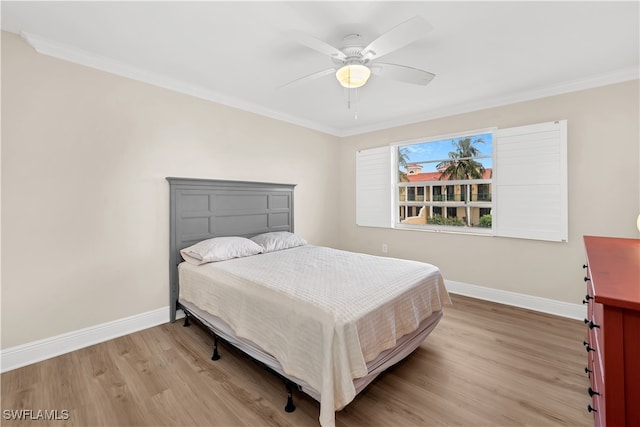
(595, 325)
(594, 309)
(597, 387)
(595, 340)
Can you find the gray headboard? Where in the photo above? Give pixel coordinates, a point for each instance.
(204, 208)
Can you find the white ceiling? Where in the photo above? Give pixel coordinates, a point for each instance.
(237, 53)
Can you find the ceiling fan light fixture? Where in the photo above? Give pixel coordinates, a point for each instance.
(353, 75)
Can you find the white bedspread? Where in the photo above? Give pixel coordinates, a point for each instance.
(322, 313)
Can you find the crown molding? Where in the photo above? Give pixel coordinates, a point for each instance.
(619, 76)
(82, 57)
(109, 65)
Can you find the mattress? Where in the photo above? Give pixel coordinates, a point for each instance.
(405, 346)
(320, 312)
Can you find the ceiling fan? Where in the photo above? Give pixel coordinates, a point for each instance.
(355, 62)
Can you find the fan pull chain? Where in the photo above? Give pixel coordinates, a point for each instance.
(355, 115)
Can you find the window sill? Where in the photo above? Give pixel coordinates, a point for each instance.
(473, 231)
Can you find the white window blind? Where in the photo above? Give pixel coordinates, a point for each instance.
(530, 182)
(374, 187)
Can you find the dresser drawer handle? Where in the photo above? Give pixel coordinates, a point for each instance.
(591, 324)
(588, 347)
(586, 279)
(586, 299)
(593, 392)
(591, 408)
(584, 265)
(587, 371)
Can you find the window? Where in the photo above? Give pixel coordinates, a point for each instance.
(521, 192)
(448, 180)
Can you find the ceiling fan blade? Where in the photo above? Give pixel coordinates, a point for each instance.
(308, 78)
(402, 73)
(314, 43)
(397, 37)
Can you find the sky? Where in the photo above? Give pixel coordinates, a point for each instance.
(439, 150)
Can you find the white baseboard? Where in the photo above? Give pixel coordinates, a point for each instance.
(544, 305)
(26, 354)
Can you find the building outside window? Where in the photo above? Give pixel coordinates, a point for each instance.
(445, 182)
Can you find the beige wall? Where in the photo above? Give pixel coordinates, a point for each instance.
(85, 203)
(604, 195)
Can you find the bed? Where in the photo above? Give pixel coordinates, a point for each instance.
(326, 321)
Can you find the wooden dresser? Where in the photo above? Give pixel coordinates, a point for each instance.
(613, 323)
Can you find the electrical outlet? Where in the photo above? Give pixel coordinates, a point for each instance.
(385, 248)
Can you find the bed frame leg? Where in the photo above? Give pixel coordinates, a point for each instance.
(290, 406)
(186, 321)
(215, 356)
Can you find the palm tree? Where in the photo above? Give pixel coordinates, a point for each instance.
(403, 156)
(461, 165)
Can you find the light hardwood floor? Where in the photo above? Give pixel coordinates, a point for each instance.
(486, 364)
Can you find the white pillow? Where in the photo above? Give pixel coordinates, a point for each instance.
(278, 240)
(220, 249)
